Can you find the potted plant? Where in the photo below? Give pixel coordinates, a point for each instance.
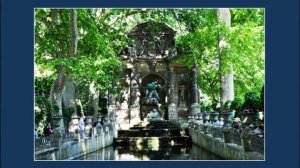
(56, 117)
(227, 114)
(206, 108)
(55, 112)
(214, 115)
(236, 105)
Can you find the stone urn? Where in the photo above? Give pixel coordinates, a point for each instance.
(89, 120)
(99, 118)
(205, 116)
(214, 116)
(56, 120)
(75, 119)
(227, 115)
(247, 116)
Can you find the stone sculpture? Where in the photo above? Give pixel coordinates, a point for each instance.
(153, 115)
(152, 90)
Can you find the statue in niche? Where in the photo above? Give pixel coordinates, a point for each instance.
(127, 80)
(135, 97)
(145, 46)
(132, 51)
(152, 93)
(182, 98)
(153, 89)
(161, 45)
(135, 93)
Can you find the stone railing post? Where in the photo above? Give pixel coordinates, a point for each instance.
(200, 120)
(227, 133)
(190, 120)
(207, 128)
(57, 139)
(246, 141)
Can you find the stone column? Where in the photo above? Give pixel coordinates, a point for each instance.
(111, 110)
(134, 98)
(172, 109)
(195, 107)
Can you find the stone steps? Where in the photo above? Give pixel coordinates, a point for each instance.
(148, 133)
(153, 135)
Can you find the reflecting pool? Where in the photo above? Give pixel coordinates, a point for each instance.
(192, 152)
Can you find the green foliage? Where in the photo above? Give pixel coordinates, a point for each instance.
(252, 101)
(244, 51)
(241, 16)
(55, 110)
(42, 86)
(227, 105)
(262, 99)
(67, 113)
(96, 59)
(236, 104)
(42, 112)
(206, 108)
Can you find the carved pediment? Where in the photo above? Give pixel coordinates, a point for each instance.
(151, 40)
(150, 27)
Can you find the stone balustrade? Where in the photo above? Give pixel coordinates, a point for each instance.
(226, 141)
(71, 145)
(54, 140)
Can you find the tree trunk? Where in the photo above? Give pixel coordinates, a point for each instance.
(226, 78)
(63, 89)
(94, 100)
(56, 93)
(69, 95)
(74, 39)
(56, 98)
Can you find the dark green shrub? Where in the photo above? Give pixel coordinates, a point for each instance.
(227, 105)
(236, 104)
(252, 101)
(55, 110)
(262, 98)
(42, 111)
(206, 107)
(67, 114)
(216, 105)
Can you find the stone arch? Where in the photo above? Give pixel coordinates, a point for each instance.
(149, 103)
(150, 74)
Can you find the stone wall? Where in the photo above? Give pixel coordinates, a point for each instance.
(74, 149)
(218, 147)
